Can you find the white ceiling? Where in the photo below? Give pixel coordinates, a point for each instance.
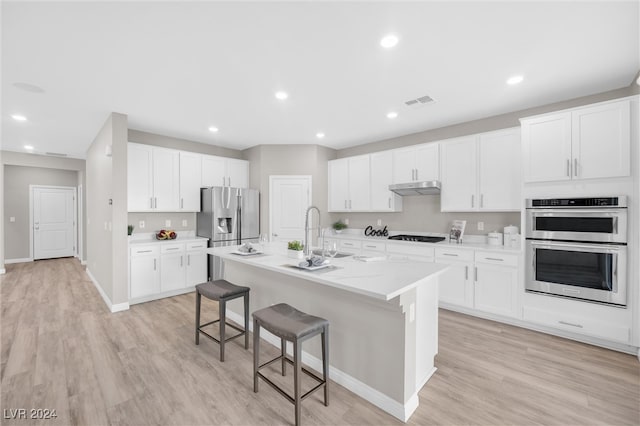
(177, 68)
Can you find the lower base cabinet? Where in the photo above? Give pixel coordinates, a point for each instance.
(456, 283)
(165, 269)
(496, 283)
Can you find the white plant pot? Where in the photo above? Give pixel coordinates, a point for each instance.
(295, 254)
(337, 231)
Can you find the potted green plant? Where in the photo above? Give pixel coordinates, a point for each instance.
(339, 226)
(295, 249)
(130, 229)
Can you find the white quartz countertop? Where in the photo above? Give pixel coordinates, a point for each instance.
(380, 279)
(149, 238)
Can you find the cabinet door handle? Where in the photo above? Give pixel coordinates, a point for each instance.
(144, 251)
(417, 174)
(389, 202)
(181, 261)
(345, 204)
(155, 202)
(495, 258)
(151, 202)
(188, 260)
(172, 248)
(575, 167)
(472, 200)
(481, 200)
(349, 203)
(466, 272)
(568, 167)
(475, 273)
(570, 324)
(181, 203)
(368, 246)
(154, 264)
(450, 254)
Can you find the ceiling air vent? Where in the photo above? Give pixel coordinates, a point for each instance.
(419, 102)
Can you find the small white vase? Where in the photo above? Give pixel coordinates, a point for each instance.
(337, 231)
(295, 254)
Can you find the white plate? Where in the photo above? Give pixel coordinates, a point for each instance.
(241, 253)
(312, 268)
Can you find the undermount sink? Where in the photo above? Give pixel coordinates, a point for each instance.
(337, 256)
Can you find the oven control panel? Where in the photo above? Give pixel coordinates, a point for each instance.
(619, 201)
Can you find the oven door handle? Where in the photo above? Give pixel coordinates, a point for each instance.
(615, 224)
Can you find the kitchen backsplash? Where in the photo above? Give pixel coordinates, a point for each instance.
(422, 213)
(157, 221)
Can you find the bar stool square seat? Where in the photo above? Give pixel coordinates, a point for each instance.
(222, 291)
(290, 324)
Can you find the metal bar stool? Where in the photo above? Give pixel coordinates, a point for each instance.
(294, 326)
(222, 291)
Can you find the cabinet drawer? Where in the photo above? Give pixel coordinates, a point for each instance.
(374, 246)
(171, 248)
(595, 327)
(349, 244)
(145, 250)
(410, 250)
(452, 254)
(493, 258)
(199, 245)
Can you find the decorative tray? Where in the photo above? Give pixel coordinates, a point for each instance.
(242, 253)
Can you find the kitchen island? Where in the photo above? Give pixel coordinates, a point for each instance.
(383, 317)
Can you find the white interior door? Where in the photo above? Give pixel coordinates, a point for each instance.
(53, 222)
(289, 198)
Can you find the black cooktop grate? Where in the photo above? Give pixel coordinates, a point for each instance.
(417, 238)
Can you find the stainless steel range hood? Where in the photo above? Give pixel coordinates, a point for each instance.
(429, 187)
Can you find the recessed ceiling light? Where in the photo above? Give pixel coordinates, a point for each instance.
(515, 80)
(28, 147)
(19, 117)
(282, 95)
(389, 41)
(319, 135)
(213, 129)
(392, 115)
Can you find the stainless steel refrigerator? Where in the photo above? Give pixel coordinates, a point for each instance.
(228, 216)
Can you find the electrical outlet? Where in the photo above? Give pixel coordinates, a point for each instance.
(346, 221)
(379, 222)
(184, 223)
(167, 223)
(480, 226)
(141, 224)
(12, 219)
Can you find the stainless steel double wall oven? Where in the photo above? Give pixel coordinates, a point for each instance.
(577, 247)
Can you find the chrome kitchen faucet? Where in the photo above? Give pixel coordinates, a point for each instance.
(307, 249)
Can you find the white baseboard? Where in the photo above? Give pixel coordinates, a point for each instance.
(162, 295)
(83, 262)
(113, 308)
(22, 260)
(364, 391)
(3, 271)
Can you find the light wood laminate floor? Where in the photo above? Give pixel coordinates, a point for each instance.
(62, 349)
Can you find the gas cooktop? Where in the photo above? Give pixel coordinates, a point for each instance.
(418, 238)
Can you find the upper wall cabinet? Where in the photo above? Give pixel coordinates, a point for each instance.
(221, 171)
(416, 163)
(190, 175)
(583, 143)
(481, 172)
(383, 200)
(349, 187)
(153, 178)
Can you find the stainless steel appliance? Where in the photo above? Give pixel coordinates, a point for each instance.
(429, 187)
(577, 247)
(418, 238)
(228, 216)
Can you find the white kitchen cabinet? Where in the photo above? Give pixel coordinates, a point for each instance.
(383, 200)
(410, 252)
(496, 283)
(196, 268)
(456, 283)
(481, 172)
(582, 143)
(349, 186)
(172, 267)
(190, 175)
(416, 163)
(166, 179)
(153, 178)
(144, 271)
(374, 248)
(221, 171)
(459, 175)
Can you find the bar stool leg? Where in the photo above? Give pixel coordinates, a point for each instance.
(325, 364)
(223, 318)
(256, 353)
(283, 353)
(246, 320)
(297, 373)
(198, 301)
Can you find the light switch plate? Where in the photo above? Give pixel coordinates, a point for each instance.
(184, 223)
(480, 226)
(379, 222)
(346, 221)
(141, 224)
